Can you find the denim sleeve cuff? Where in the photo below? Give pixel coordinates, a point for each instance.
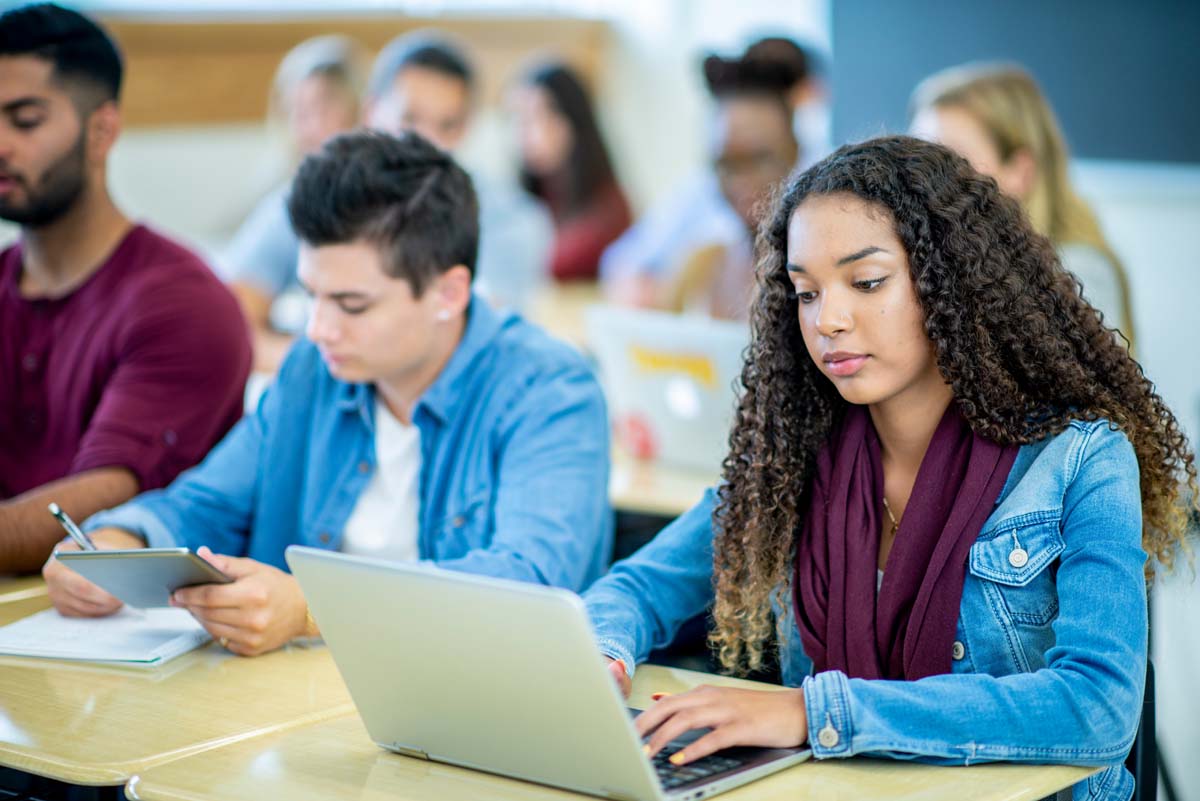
(827, 703)
(615, 650)
(136, 520)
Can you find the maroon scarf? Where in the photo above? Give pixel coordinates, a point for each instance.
(910, 632)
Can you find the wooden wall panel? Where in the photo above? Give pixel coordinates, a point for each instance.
(203, 72)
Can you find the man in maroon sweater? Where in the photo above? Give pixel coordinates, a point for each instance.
(122, 358)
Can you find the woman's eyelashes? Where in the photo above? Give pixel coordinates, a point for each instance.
(870, 284)
(867, 285)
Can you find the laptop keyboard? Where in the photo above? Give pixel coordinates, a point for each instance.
(672, 776)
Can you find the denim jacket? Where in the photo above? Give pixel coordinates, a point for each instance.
(514, 470)
(1049, 658)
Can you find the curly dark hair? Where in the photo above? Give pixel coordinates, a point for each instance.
(1022, 351)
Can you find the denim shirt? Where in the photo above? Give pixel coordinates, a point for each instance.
(514, 470)
(1049, 657)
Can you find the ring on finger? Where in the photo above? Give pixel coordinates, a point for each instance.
(224, 642)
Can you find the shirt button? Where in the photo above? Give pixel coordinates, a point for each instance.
(458, 521)
(324, 537)
(828, 736)
(364, 467)
(958, 650)
(29, 362)
(1018, 557)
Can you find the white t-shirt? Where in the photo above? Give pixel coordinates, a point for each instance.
(384, 523)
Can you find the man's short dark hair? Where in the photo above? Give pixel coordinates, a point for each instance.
(81, 52)
(418, 50)
(401, 194)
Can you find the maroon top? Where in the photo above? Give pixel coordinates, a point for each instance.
(907, 630)
(581, 237)
(143, 366)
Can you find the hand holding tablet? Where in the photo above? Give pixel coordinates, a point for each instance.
(143, 577)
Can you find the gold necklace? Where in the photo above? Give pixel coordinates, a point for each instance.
(895, 523)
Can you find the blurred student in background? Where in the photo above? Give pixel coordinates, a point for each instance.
(423, 82)
(996, 117)
(565, 163)
(697, 217)
(808, 95)
(754, 149)
(122, 357)
(316, 95)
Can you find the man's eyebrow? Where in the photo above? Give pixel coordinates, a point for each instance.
(23, 102)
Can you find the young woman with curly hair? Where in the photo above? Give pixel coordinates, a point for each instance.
(944, 478)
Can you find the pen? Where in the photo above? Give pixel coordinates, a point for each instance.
(67, 523)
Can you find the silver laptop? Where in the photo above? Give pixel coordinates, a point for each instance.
(671, 375)
(495, 675)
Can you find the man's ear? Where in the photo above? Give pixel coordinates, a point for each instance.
(103, 129)
(453, 292)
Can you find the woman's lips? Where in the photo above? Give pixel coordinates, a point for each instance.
(843, 365)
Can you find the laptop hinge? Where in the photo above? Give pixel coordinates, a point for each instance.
(407, 751)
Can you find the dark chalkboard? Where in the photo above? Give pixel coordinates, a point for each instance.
(1123, 77)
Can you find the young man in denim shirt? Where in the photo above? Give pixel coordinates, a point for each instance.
(413, 422)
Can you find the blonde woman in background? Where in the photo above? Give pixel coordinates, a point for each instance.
(997, 118)
(316, 94)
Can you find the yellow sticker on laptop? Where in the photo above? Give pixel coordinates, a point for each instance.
(699, 368)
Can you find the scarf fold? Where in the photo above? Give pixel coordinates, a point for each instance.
(906, 629)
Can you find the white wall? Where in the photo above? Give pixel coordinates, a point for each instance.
(1151, 214)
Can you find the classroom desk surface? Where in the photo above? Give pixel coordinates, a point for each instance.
(100, 725)
(336, 759)
(20, 588)
(21, 597)
(559, 308)
(655, 488)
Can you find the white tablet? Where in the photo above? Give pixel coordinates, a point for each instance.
(143, 577)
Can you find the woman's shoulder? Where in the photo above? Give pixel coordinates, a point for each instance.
(1068, 451)
(1083, 455)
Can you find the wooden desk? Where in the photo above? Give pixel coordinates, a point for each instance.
(20, 588)
(336, 759)
(100, 725)
(21, 597)
(559, 308)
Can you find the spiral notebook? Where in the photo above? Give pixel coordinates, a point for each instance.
(147, 637)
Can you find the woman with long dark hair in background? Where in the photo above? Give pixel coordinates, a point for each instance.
(565, 162)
